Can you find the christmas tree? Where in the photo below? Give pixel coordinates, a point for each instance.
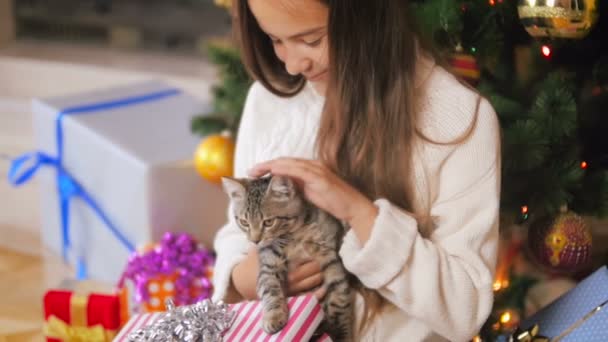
(545, 88)
(543, 65)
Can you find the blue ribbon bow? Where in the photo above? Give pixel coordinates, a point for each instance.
(24, 167)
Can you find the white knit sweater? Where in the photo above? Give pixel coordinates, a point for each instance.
(439, 283)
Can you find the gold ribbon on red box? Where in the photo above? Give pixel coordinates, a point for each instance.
(75, 318)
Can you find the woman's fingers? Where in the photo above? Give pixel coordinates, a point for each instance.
(320, 293)
(304, 277)
(305, 285)
(293, 167)
(304, 271)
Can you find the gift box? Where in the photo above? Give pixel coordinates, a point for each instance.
(75, 317)
(305, 315)
(581, 314)
(178, 268)
(115, 172)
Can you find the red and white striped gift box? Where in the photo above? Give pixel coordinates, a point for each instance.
(305, 315)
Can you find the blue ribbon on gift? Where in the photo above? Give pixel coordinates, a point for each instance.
(24, 167)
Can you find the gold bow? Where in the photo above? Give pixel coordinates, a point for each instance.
(56, 328)
(529, 335)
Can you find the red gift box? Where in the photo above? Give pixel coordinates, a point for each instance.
(72, 317)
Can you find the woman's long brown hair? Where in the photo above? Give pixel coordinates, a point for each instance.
(369, 122)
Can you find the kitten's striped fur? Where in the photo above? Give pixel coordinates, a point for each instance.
(288, 229)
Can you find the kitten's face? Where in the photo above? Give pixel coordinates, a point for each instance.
(263, 208)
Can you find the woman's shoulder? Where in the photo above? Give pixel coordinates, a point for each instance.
(448, 108)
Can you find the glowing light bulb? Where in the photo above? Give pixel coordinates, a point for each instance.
(497, 285)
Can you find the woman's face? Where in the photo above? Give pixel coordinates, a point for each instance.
(298, 31)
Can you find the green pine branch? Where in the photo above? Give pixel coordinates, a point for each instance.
(592, 197)
(525, 145)
(483, 32)
(556, 107)
(508, 108)
(209, 124)
(229, 94)
(439, 18)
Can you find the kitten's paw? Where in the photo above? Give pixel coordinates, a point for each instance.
(274, 320)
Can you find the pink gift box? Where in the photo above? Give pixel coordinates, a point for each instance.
(305, 315)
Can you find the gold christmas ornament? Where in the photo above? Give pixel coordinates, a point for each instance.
(214, 157)
(571, 19)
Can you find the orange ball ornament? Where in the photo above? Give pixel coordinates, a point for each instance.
(214, 157)
(465, 66)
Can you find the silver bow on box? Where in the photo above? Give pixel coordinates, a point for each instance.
(200, 322)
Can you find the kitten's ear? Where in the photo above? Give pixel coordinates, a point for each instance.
(235, 188)
(281, 188)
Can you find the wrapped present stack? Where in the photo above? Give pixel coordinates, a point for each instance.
(115, 171)
(178, 268)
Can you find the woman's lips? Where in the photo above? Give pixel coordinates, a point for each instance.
(317, 77)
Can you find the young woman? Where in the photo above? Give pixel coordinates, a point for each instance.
(349, 103)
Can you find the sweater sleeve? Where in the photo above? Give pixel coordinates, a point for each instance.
(230, 242)
(445, 279)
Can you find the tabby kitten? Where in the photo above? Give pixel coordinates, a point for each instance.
(288, 229)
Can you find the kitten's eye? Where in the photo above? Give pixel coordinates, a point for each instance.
(244, 223)
(269, 222)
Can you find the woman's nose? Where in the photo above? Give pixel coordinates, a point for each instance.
(296, 63)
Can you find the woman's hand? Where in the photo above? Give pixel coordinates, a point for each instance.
(306, 277)
(303, 278)
(245, 275)
(325, 190)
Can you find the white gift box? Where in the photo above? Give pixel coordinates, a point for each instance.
(131, 152)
